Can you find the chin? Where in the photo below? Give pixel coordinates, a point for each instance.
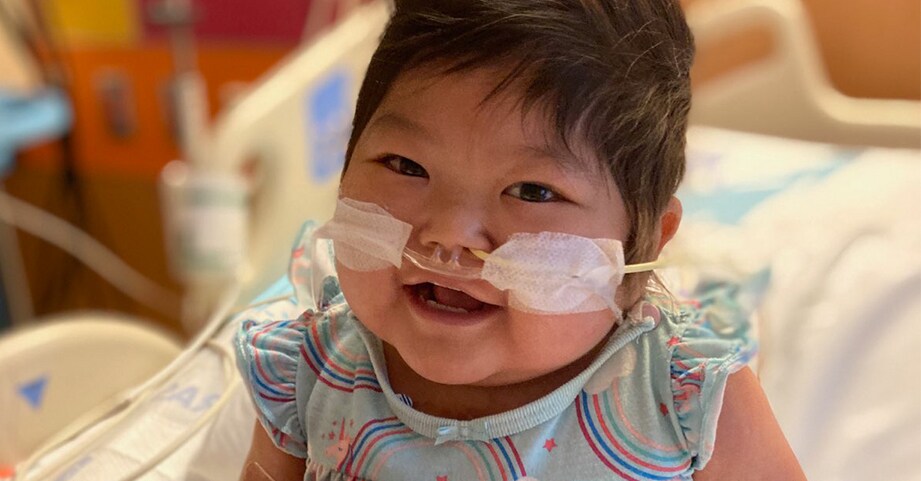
(451, 371)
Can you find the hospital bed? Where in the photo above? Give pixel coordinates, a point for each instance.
(835, 227)
(63, 367)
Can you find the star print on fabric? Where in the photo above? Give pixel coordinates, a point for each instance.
(549, 445)
(663, 409)
(673, 341)
(693, 303)
(332, 435)
(441, 478)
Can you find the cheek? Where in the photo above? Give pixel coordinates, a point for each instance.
(359, 183)
(356, 190)
(368, 293)
(556, 341)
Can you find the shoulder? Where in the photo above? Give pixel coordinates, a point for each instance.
(282, 362)
(317, 345)
(749, 442)
(723, 414)
(713, 329)
(335, 354)
(700, 339)
(697, 346)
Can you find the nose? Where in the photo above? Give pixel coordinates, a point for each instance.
(453, 223)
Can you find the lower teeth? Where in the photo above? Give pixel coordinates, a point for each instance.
(443, 307)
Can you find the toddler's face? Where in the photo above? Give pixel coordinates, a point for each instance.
(469, 174)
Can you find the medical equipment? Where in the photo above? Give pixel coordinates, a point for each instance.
(62, 370)
(545, 272)
(24, 119)
(16, 213)
(41, 364)
(58, 375)
(450, 266)
(551, 272)
(297, 121)
(57, 371)
(28, 117)
(290, 131)
(369, 238)
(126, 403)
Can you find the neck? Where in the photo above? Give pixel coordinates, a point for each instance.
(465, 402)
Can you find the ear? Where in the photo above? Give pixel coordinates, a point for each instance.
(669, 222)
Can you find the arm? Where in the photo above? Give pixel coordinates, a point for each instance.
(749, 442)
(266, 462)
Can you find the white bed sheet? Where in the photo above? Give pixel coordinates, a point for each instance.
(840, 231)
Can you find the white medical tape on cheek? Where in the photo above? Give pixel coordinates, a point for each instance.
(366, 237)
(558, 273)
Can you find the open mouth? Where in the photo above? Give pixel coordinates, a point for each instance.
(447, 299)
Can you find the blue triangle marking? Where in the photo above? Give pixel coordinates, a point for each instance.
(34, 391)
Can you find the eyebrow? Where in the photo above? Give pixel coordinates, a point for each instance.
(394, 121)
(562, 157)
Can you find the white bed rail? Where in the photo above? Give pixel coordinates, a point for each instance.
(289, 133)
(271, 125)
(788, 94)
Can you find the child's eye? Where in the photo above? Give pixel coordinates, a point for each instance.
(530, 192)
(404, 166)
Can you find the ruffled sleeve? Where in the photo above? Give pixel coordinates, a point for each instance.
(268, 357)
(711, 341)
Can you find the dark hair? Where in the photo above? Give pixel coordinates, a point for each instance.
(612, 75)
